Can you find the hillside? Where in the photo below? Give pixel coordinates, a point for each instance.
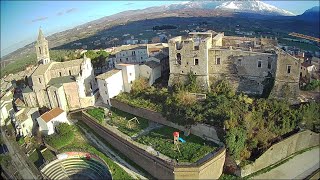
(138, 22)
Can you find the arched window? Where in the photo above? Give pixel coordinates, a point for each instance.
(179, 58)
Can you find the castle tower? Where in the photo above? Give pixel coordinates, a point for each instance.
(42, 49)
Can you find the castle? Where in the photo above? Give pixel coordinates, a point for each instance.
(68, 85)
(247, 63)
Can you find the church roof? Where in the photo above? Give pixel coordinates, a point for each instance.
(40, 36)
(48, 116)
(62, 65)
(108, 74)
(61, 80)
(42, 68)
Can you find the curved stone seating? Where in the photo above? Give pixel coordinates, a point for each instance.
(76, 166)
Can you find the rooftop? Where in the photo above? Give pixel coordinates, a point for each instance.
(42, 68)
(108, 74)
(61, 80)
(152, 64)
(61, 65)
(27, 89)
(48, 116)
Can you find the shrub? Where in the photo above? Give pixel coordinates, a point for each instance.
(63, 137)
(97, 113)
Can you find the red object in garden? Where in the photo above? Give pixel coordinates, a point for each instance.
(176, 134)
(88, 156)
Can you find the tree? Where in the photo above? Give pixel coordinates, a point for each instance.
(139, 85)
(235, 140)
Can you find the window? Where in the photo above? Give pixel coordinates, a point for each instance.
(218, 61)
(239, 62)
(70, 72)
(133, 53)
(179, 58)
(130, 82)
(60, 74)
(196, 61)
(120, 60)
(23, 125)
(196, 47)
(39, 50)
(259, 64)
(288, 69)
(269, 65)
(141, 57)
(130, 74)
(39, 80)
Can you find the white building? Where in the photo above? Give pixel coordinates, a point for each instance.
(150, 70)
(6, 109)
(121, 79)
(131, 54)
(25, 120)
(49, 120)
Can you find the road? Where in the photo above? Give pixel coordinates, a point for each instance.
(18, 161)
(299, 167)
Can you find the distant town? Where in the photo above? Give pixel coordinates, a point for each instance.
(194, 104)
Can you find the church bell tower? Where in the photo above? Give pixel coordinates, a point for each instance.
(42, 49)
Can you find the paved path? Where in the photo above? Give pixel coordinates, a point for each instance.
(118, 160)
(299, 167)
(18, 161)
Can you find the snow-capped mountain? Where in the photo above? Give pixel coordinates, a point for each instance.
(250, 6)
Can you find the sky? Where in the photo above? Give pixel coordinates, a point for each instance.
(20, 20)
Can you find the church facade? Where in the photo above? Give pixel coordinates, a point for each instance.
(68, 85)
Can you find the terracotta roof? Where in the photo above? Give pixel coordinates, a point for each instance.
(19, 102)
(48, 116)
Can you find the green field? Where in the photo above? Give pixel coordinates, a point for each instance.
(191, 151)
(121, 119)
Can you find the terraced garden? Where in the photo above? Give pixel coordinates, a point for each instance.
(120, 119)
(191, 151)
(160, 139)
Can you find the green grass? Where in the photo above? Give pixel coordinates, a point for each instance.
(304, 46)
(162, 140)
(48, 155)
(120, 119)
(97, 113)
(122, 156)
(36, 157)
(81, 143)
(61, 139)
(21, 141)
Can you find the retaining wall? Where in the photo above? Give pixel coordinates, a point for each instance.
(281, 150)
(209, 167)
(201, 130)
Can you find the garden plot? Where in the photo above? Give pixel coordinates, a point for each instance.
(190, 151)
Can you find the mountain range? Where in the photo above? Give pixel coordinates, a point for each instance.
(208, 9)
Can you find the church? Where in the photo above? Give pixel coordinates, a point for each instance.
(68, 85)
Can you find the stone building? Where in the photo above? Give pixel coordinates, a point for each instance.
(246, 62)
(68, 85)
(122, 77)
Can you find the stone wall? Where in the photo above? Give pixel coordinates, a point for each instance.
(201, 130)
(209, 167)
(281, 150)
